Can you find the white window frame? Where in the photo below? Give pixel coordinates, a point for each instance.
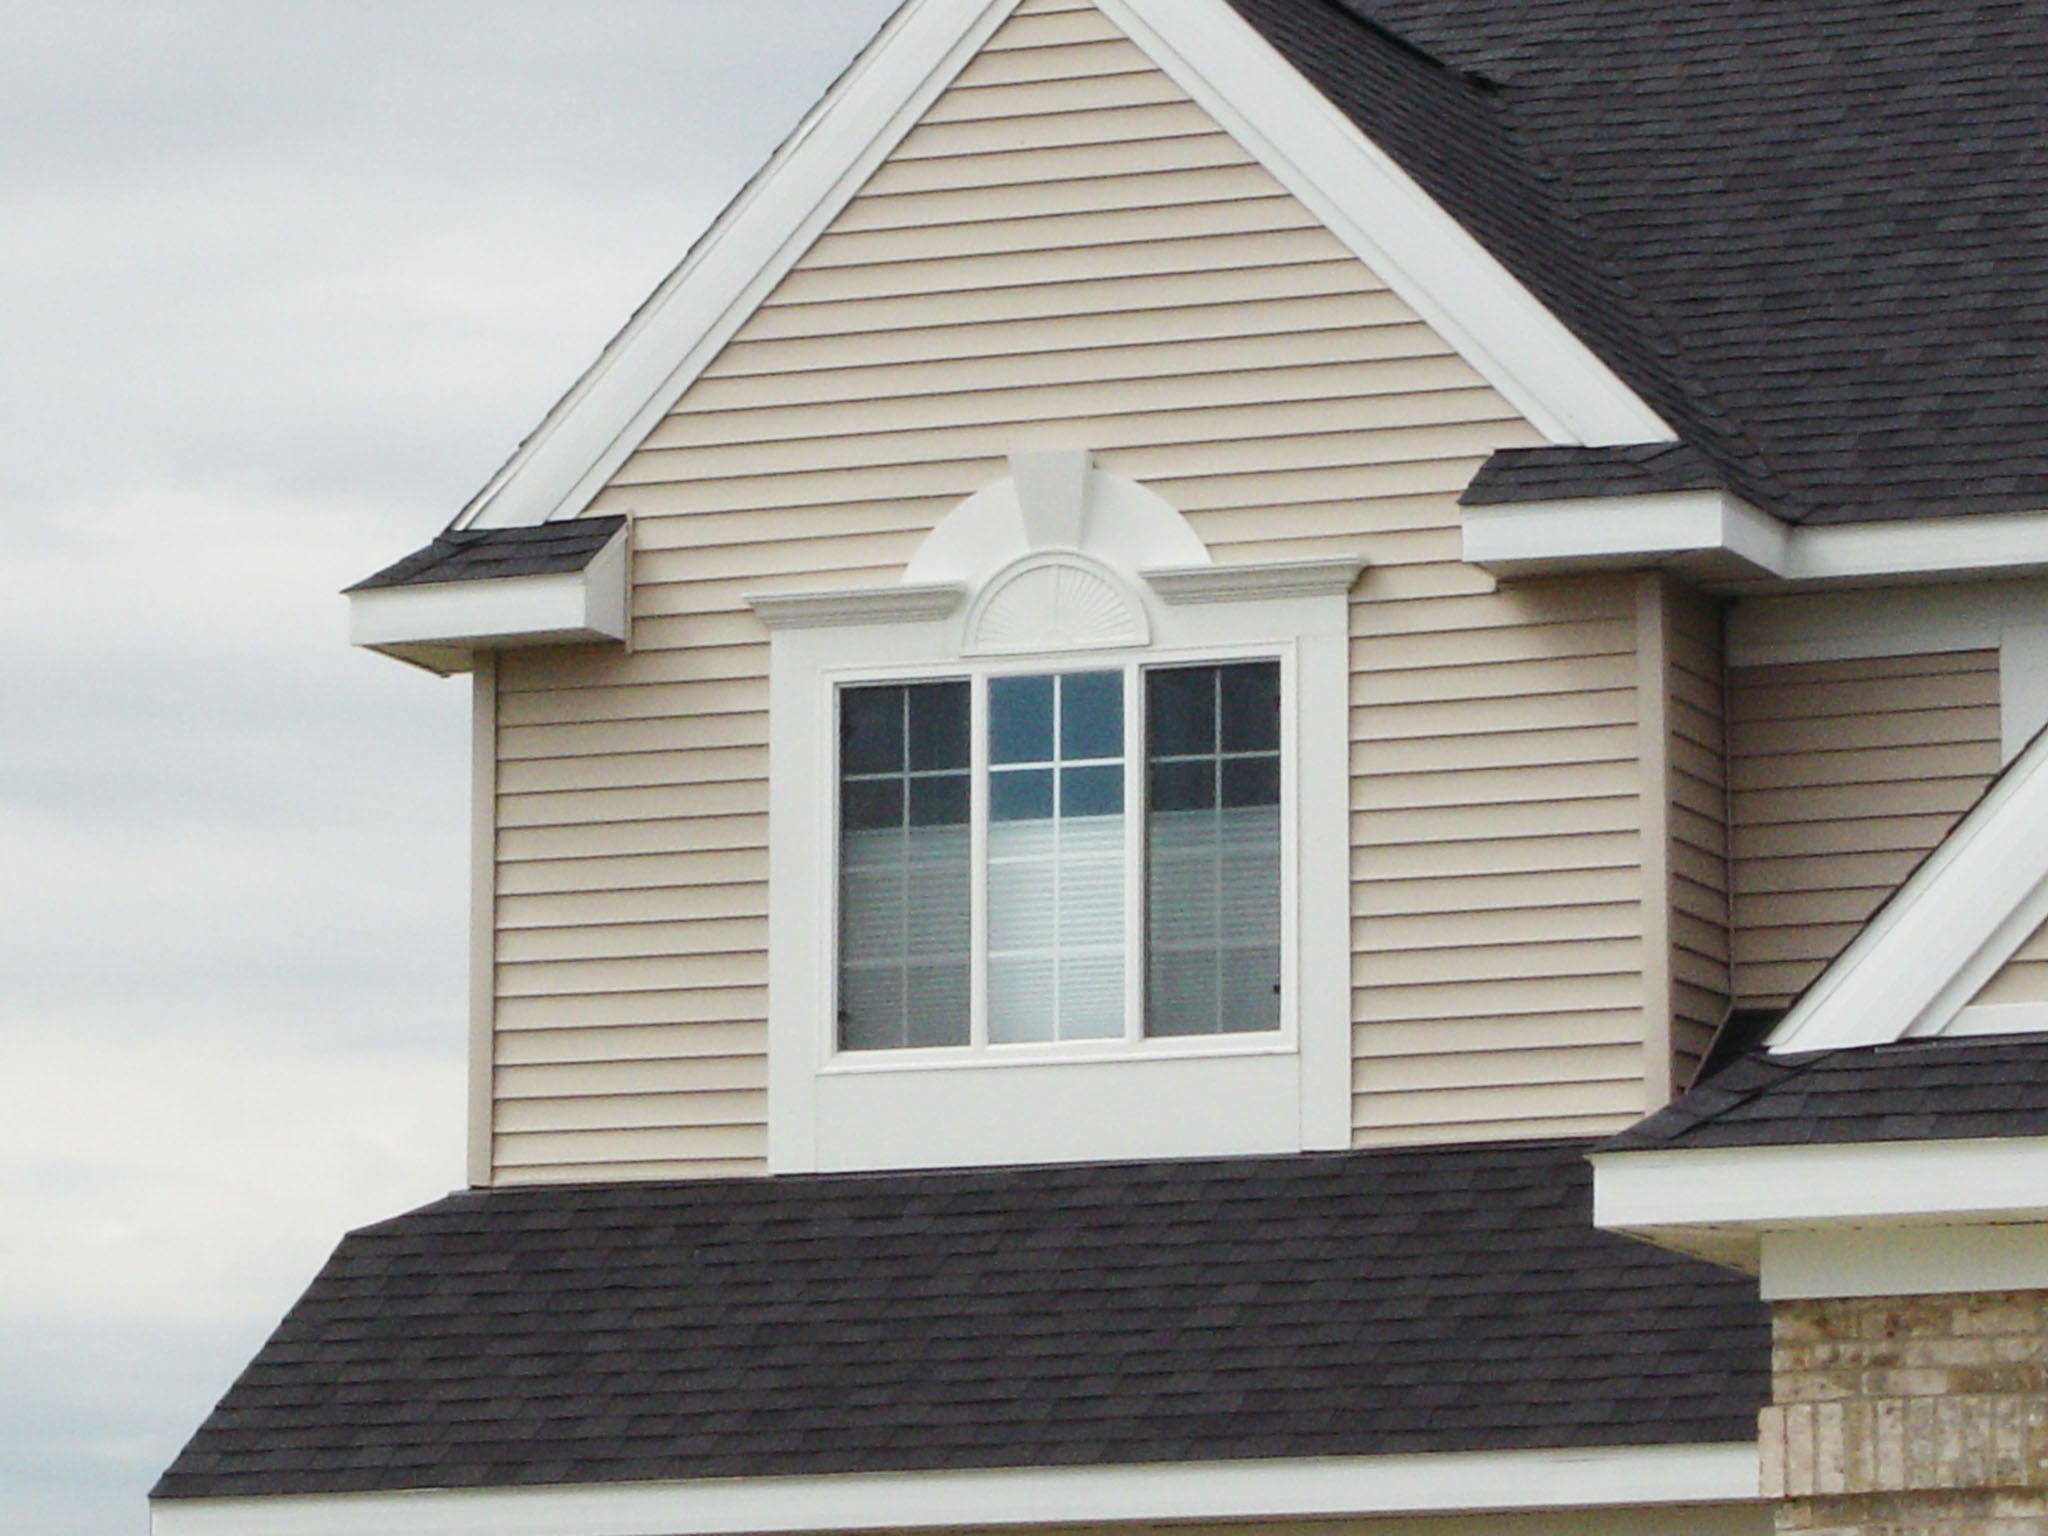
(1131, 1098)
(1133, 1043)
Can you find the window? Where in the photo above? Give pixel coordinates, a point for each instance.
(1051, 857)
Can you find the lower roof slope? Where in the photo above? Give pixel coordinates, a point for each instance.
(1944, 1089)
(1345, 1304)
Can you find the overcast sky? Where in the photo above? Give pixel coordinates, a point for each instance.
(281, 283)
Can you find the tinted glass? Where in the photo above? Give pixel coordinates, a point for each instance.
(1180, 711)
(1091, 791)
(938, 726)
(1091, 715)
(1250, 706)
(1021, 794)
(870, 730)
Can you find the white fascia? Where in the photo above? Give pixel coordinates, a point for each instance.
(747, 251)
(440, 625)
(1914, 968)
(1430, 260)
(1486, 1482)
(1709, 533)
(1730, 1203)
(1719, 539)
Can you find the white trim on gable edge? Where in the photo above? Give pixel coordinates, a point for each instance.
(1630, 1477)
(1411, 243)
(1915, 967)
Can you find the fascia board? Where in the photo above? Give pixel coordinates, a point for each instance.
(1468, 1483)
(1524, 538)
(2009, 544)
(1430, 260)
(747, 251)
(1761, 1189)
(1959, 917)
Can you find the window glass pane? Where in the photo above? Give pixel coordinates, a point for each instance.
(938, 800)
(938, 726)
(1250, 706)
(1180, 711)
(1212, 860)
(1020, 794)
(871, 730)
(1056, 864)
(1092, 791)
(905, 877)
(1020, 719)
(1091, 715)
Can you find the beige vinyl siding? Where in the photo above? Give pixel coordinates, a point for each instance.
(1697, 787)
(1067, 254)
(2023, 978)
(1843, 774)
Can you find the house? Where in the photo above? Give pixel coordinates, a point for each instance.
(1268, 765)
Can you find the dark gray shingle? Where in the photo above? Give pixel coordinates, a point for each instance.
(1369, 1303)
(484, 554)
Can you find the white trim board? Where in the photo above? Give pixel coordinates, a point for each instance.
(1423, 254)
(1915, 967)
(1723, 541)
(1725, 1203)
(1482, 1482)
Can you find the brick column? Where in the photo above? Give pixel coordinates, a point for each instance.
(1903, 1415)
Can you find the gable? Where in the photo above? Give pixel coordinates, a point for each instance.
(1068, 253)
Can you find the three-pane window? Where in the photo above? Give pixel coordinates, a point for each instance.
(995, 813)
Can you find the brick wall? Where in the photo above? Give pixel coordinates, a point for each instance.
(1900, 1415)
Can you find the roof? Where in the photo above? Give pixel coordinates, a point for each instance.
(1341, 1304)
(1811, 236)
(1920, 1090)
(484, 554)
(1558, 474)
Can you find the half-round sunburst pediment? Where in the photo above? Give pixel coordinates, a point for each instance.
(1056, 604)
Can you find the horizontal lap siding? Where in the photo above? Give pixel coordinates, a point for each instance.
(1066, 254)
(1843, 775)
(1701, 953)
(1497, 853)
(2024, 978)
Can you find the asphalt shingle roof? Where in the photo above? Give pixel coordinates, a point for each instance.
(1918, 1090)
(1555, 474)
(1346, 1304)
(1813, 236)
(483, 554)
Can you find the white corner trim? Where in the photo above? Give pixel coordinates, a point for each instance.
(1946, 932)
(862, 605)
(1430, 260)
(1236, 583)
(1471, 1483)
(1904, 1261)
(1718, 538)
(750, 248)
(1757, 1189)
(453, 618)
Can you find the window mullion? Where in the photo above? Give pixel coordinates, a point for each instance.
(1136, 959)
(977, 819)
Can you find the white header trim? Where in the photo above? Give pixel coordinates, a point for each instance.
(860, 605)
(1239, 583)
(1946, 932)
(1248, 1490)
(1720, 539)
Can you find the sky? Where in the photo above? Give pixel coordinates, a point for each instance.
(281, 283)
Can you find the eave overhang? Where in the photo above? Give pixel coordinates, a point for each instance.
(1870, 1218)
(479, 590)
(1718, 540)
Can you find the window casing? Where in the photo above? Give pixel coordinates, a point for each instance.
(1061, 858)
